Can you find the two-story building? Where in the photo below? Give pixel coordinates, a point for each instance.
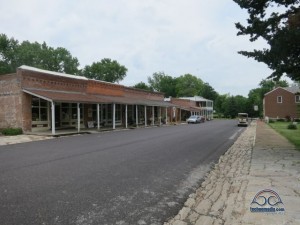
(187, 106)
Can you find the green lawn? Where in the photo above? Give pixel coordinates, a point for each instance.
(292, 135)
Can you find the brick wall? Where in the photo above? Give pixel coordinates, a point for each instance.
(138, 93)
(280, 110)
(33, 79)
(104, 88)
(183, 102)
(10, 101)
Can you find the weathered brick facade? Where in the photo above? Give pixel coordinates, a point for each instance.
(11, 101)
(281, 103)
(18, 90)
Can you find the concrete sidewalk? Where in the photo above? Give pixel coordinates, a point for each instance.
(8, 140)
(260, 159)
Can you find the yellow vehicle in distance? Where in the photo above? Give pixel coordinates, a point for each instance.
(243, 119)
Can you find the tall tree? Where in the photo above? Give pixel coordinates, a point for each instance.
(8, 48)
(106, 70)
(188, 85)
(208, 92)
(14, 54)
(230, 107)
(163, 83)
(280, 29)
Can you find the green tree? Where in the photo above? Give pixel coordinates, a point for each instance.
(188, 85)
(163, 83)
(106, 70)
(241, 104)
(143, 86)
(280, 29)
(8, 47)
(13, 54)
(208, 92)
(219, 104)
(255, 98)
(230, 107)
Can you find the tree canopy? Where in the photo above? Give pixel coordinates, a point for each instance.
(106, 70)
(280, 29)
(163, 83)
(14, 54)
(188, 85)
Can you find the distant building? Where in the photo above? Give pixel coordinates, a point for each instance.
(41, 100)
(187, 106)
(282, 103)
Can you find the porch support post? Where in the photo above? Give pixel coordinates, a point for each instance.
(159, 115)
(166, 115)
(180, 115)
(98, 117)
(53, 117)
(114, 116)
(78, 117)
(145, 115)
(126, 116)
(136, 116)
(152, 115)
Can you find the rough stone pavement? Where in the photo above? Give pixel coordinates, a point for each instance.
(260, 159)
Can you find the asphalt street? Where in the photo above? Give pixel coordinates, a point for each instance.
(140, 176)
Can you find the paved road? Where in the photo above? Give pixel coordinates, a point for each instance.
(140, 176)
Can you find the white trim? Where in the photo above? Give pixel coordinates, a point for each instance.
(279, 96)
(39, 96)
(24, 67)
(296, 98)
(53, 117)
(78, 117)
(277, 89)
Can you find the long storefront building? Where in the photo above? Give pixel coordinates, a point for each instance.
(36, 100)
(41, 100)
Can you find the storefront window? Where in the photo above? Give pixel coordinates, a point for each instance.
(39, 109)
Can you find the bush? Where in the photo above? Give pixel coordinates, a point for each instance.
(281, 120)
(297, 120)
(292, 127)
(271, 121)
(12, 131)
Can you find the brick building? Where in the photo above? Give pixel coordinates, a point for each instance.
(36, 100)
(187, 106)
(282, 103)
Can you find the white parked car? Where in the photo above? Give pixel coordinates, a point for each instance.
(195, 119)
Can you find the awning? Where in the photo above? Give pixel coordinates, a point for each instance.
(79, 97)
(191, 109)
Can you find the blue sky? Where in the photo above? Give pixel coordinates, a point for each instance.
(147, 36)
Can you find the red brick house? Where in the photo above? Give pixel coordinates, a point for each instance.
(282, 103)
(41, 100)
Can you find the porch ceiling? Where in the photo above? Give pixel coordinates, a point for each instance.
(78, 97)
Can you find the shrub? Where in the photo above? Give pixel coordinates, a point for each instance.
(280, 120)
(297, 120)
(12, 131)
(292, 127)
(271, 121)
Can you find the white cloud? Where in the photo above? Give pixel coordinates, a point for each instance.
(177, 37)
